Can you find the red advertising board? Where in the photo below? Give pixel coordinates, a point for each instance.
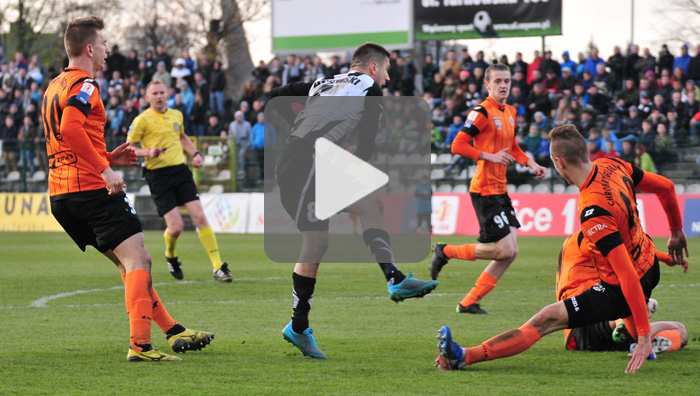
(546, 214)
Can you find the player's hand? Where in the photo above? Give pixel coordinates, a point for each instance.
(124, 155)
(640, 354)
(540, 171)
(114, 182)
(154, 152)
(197, 160)
(501, 157)
(677, 244)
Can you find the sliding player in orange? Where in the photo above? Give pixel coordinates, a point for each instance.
(492, 127)
(575, 274)
(87, 196)
(622, 253)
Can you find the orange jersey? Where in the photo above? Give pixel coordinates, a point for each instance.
(74, 119)
(492, 126)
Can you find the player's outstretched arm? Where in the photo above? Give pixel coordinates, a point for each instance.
(142, 152)
(190, 149)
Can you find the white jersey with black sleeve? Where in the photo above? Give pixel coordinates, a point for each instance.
(334, 118)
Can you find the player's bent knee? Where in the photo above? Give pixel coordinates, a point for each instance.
(550, 319)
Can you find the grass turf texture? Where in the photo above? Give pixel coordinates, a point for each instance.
(77, 344)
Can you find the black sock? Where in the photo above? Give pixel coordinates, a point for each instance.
(145, 347)
(303, 294)
(177, 329)
(379, 245)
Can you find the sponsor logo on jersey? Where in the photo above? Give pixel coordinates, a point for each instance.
(176, 127)
(472, 115)
(499, 126)
(511, 121)
(596, 228)
(85, 92)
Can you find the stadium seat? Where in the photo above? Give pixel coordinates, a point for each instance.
(13, 176)
(571, 189)
(224, 174)
(399, 159)
(216, 189)
(145, 190)
(541, 189)
(415, 159)
(680, 188)
(511, 188)
(433, 158)
(209, 160)
(693, 189)
(460, 189)
(524, 189)
(437, 174)
(462, 175)
(444, 189)
(39, 175)
(445, 158)
(120, 173)
(420, 173)
(559, 188)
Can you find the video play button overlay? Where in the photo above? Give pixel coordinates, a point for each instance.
(341, 178)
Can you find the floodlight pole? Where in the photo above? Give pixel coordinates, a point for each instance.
(632, 25)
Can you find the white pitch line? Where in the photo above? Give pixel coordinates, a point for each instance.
(41, 302)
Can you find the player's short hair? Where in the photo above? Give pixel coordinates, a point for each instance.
(154, 82)
(366, 53)
(566, 142)
(81, 32)
(495, 67)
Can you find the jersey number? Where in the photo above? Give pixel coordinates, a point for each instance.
(52, 119)
(501, 220)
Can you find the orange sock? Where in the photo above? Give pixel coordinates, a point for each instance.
(506, 344)
(160, 314)
(483, 286)
(139, 304)
(674, 336)
(464, 252)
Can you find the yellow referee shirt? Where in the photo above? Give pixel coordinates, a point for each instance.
(153, 129)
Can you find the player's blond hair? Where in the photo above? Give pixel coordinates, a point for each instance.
(567, 143)
(493, 68)
(81, 32)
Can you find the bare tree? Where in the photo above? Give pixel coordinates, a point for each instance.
(220, 22)
(679, 20)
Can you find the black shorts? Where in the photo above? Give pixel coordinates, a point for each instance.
(495, 214)
(605, 301)
(171, 187)
(595, 337)
(97, 218)
(296, 177)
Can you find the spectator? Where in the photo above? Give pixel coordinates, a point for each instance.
(189, 62)
(533, 139)
(646, 64)
(198, 115)
(202, 86)
(261, 73)
(519, 66)
(22, 80)
(610, 151)
(163, 56)
(27, 137)
(240, 128)
(587, 122)
(550, 64)
(131, 65)
(647, 136)
(263, 135)
(10, 146)
(603, 80)
(561, 112)
(535, 65)
(429, 70)
(542, 157)
(666, 60)
(541, 121)
(567, 62)
(567, 81)
(180, 70)
(293, 71)
(150, 62)
(35, 70)
(537, 101)
(466, 59)
(643, 159)
(551, 83)
(616, 64)
(613, 123)
(694, 66)
(663, 146)
(595, 101)
(450, 66)
(129, 114)
(665, 88)
(592, 62)
(162, 75)
(218, 86)
(627, 153)
(214, 127)
(318, 70)
(629, 94)
(187, 99)
(683, 61)
(631, 63)
(594, 151)
(115, 116)
(479, 63)
(452, 132)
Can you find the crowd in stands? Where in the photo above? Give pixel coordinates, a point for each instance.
(637, 106)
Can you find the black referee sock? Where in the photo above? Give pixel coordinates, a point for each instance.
(379, 245)
(303, 294)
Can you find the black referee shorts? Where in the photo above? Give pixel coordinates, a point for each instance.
(96, 218)
(495, 214)
(171, 186)
(605, 301)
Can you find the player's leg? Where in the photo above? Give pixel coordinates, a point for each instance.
(668, 336)
(173, 228)
(208, 240)
(551, 318)
(298, 332)
(371, 214)
(506, 250)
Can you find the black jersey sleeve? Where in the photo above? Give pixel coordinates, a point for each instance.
(293, 89)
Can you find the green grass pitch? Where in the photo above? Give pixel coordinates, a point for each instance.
(77, 342)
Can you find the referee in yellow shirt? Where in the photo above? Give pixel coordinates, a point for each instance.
(162, 136)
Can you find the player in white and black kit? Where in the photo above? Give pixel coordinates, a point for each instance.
(334, 119)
